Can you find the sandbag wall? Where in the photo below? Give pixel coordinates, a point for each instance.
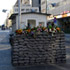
(43, 49)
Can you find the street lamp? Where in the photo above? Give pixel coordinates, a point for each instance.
(46, 6)
(19, 14)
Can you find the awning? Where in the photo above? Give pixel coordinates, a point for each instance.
(62, 16)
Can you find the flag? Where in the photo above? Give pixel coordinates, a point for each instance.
(4, 10)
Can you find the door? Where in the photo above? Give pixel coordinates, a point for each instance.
(32, 23)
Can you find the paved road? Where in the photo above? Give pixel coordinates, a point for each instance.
(4, 35)
(5, 56)
(68, 47)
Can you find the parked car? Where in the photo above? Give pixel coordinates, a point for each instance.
(3, 27)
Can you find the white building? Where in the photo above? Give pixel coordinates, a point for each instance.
(27, 2)
(61, 10)
(34, 19)
(25, 8)
(8, 22)
(36, 3)
(44, 6)
(58, 7)
(55, 7)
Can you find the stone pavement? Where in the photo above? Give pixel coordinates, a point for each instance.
(5, 60)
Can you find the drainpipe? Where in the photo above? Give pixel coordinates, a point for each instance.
(19, 13)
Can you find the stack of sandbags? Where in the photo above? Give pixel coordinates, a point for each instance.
(43, 49)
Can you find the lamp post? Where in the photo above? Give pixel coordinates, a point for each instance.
(46, 6)
(19, 13)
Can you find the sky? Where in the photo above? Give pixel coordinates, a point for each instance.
(5, 4)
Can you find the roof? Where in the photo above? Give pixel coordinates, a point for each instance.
(14, 15)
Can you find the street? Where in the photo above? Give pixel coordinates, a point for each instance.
(38, 27)
(5, 56)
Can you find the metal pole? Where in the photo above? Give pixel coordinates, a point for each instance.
(19, 13)
(46, 6)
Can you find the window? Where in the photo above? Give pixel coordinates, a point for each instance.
(22, 10)
(43, 3)
(35, 10)
(41, 24)
(27, 10)
(16, 10)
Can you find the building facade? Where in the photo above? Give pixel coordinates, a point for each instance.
(34, 19)
(61, 9)
(25, 7)
(26, 2)
(36, 3)
(44, 6)
(55, 7)
(8, 22)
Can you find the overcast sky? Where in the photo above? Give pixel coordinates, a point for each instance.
(5, 4)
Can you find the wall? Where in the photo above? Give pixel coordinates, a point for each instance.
(32, 23)
(25, 2)
(37, 17)
(14, 26)
(36, 3)
(26, 9)
(60, 9)
(43, 6)
(41, 50)
(63, 5)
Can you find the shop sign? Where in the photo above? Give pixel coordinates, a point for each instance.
(64, 15)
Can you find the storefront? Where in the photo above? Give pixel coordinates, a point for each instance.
(64, 22)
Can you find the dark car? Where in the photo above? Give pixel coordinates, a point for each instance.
(3, 27)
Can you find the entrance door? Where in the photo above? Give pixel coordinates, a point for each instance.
(32, 23)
